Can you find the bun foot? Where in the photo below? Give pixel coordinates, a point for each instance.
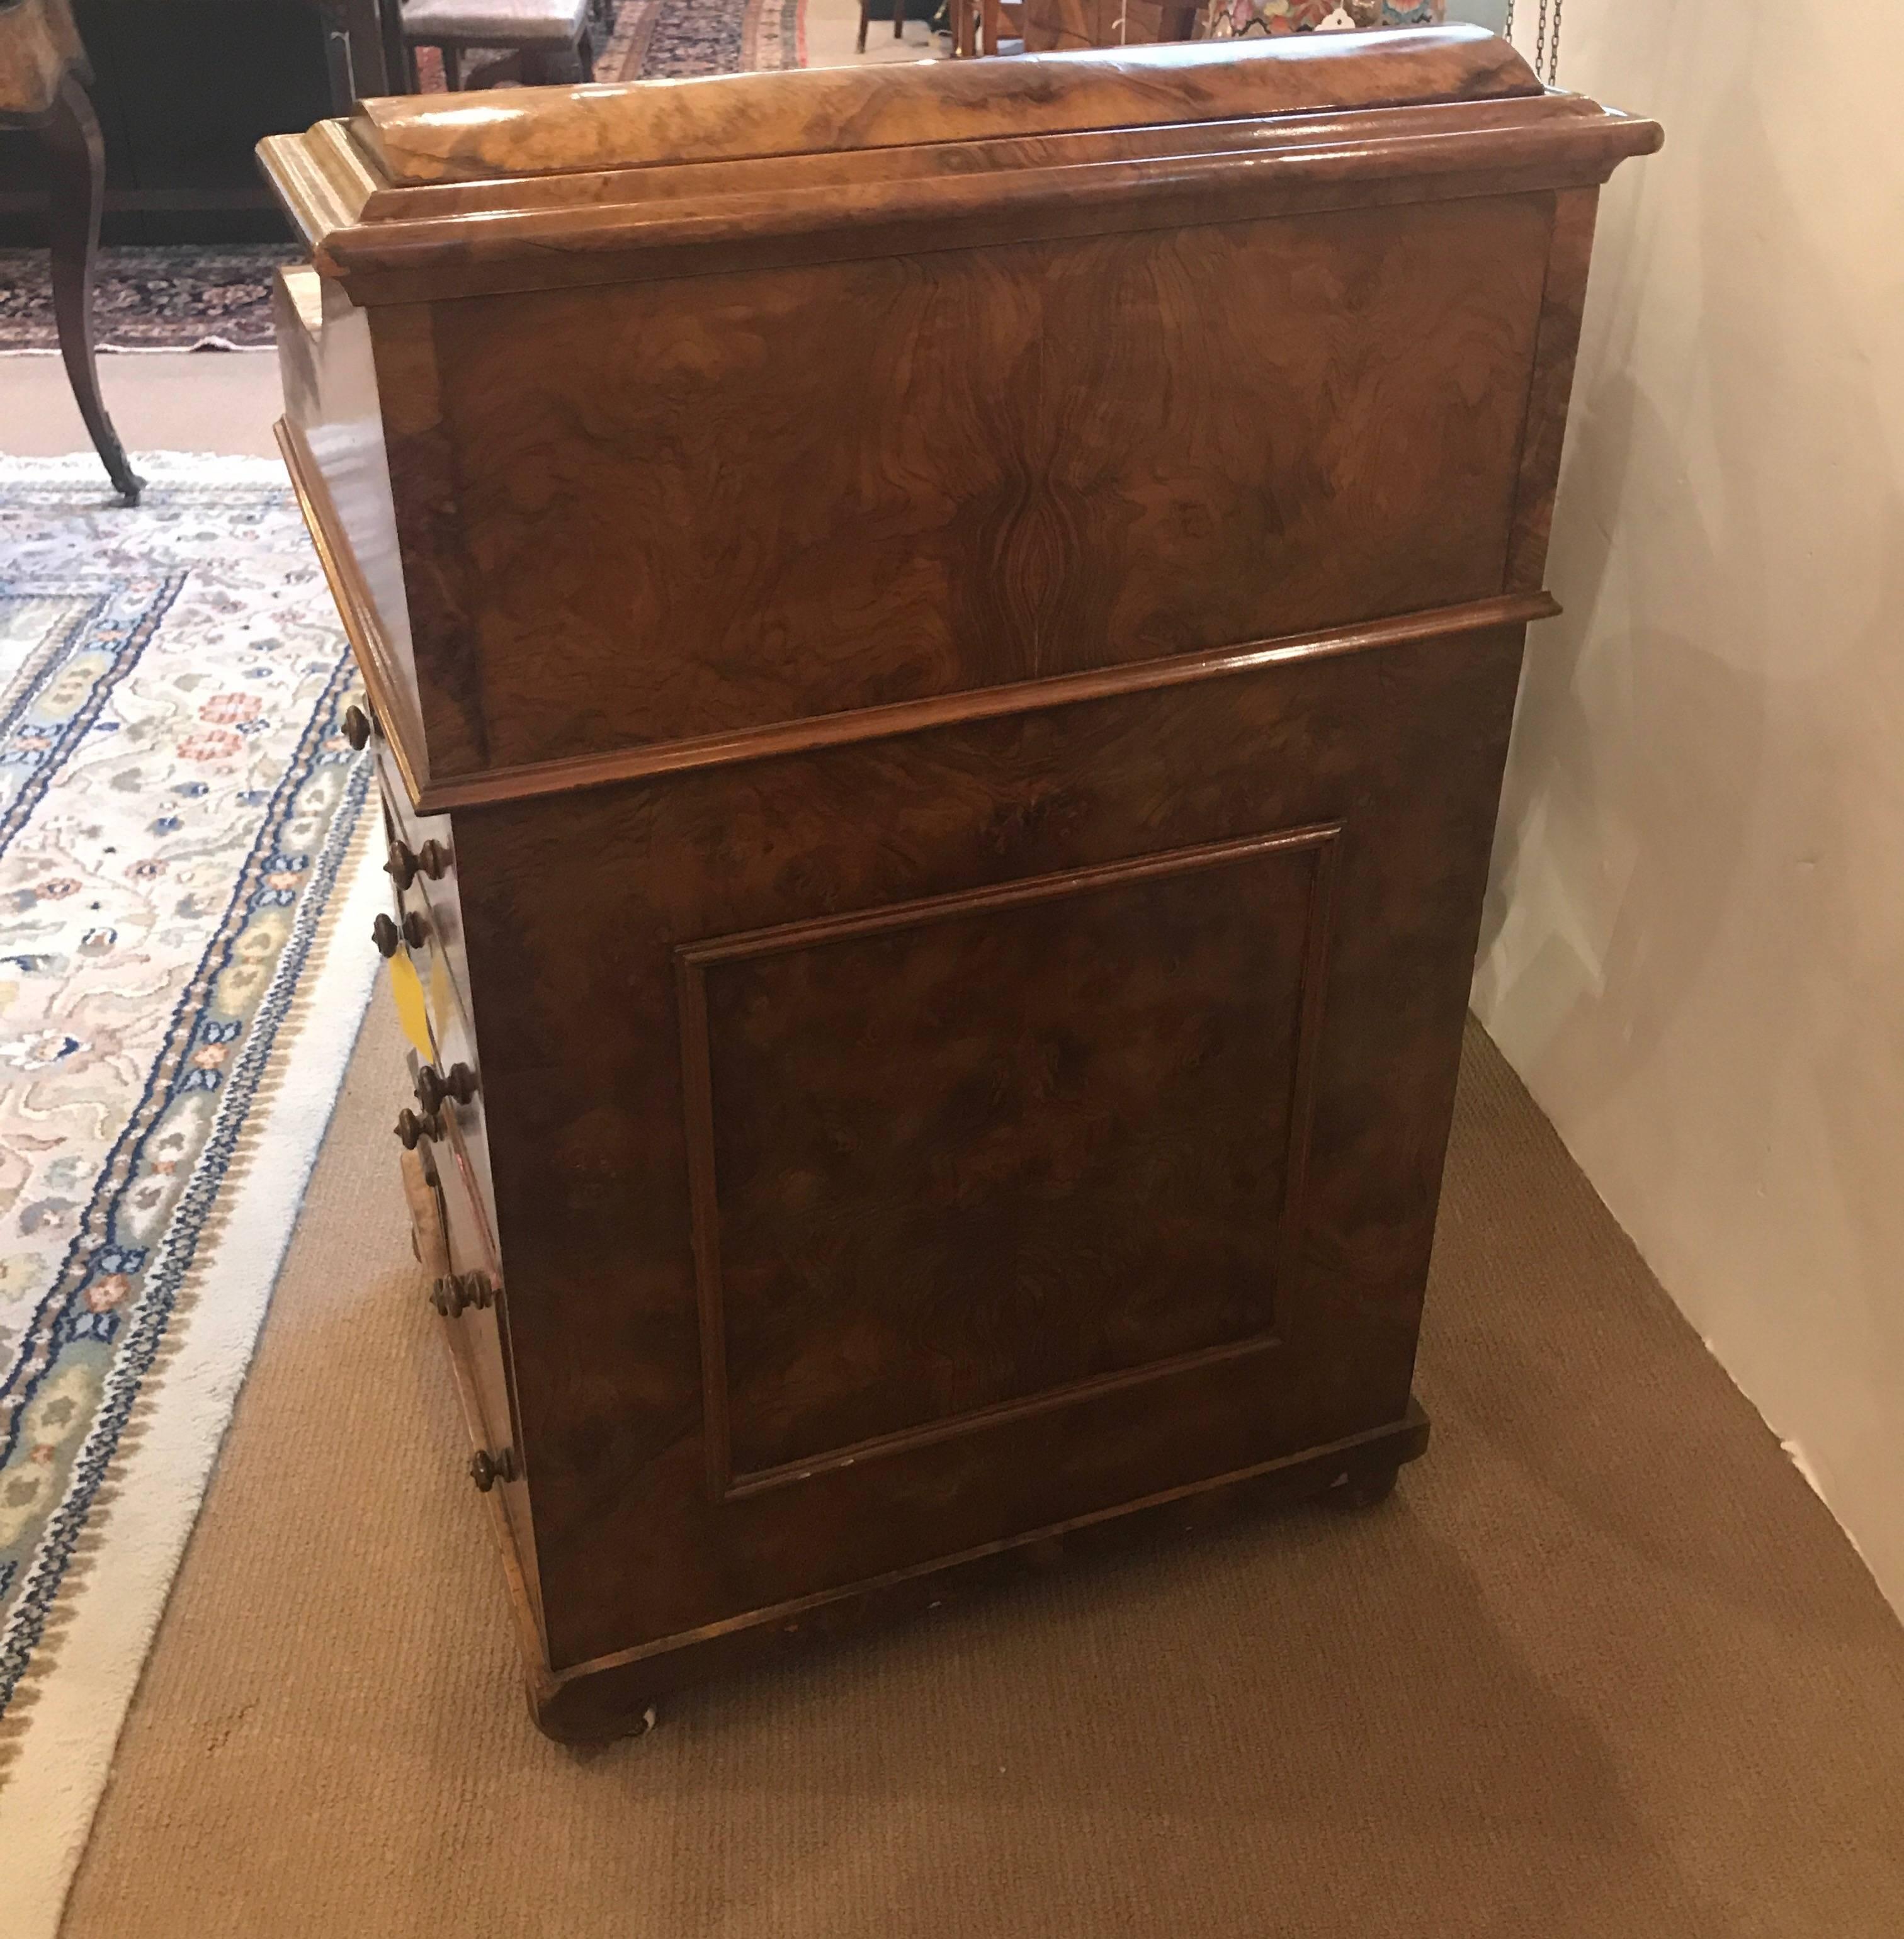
(1368, 1489)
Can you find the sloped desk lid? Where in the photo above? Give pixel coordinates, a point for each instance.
(419, 197)
(417, 139)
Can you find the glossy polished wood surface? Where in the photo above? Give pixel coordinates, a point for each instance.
(1006, 490)
(1082, 1166)
(1401, 747)
(954, 631)
(417, 139)
(609, 184)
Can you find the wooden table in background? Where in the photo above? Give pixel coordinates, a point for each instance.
(43, 78)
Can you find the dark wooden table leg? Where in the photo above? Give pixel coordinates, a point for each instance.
(72, 136)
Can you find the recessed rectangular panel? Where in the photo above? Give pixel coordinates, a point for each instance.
(961, 1157)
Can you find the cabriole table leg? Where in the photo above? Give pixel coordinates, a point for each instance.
(72, 136)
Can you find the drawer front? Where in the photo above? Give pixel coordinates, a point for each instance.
(434, 905)
(455, 1042)
(436, 895)
(481, 1328)
(453, 1242)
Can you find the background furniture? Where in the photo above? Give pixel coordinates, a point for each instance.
(940, 641)
(1221, 18)
(1001, 22)
(184, 89)
(549, 39)
(43, 76)
(1053, 25)
(898, 22)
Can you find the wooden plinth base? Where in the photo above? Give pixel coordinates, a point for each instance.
(614, 1696)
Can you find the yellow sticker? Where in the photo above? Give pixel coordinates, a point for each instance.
(408, 993)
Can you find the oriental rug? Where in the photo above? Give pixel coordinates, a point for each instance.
(193, 296)
(182, 828)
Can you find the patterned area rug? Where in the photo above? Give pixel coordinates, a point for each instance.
(203, 298)
(190, 297)
(181, 828)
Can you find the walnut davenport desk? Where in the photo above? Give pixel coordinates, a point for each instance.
(940, 643)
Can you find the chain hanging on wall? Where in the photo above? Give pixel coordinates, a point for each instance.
(1546, 56)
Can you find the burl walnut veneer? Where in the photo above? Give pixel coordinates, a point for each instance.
(941, 642)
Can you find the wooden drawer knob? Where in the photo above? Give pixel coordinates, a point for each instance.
(412, 1129)
(454, 1293)
(357, 728)
(386, 935)
(432, 1086)
(406, 863)
(486, 1469)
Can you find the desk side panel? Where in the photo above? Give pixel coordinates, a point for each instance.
(330, 397)
(1019, 984)
(648, 512)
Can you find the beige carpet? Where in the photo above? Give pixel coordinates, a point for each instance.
(1604, 1666)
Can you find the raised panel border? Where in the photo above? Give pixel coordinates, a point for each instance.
(693, 960)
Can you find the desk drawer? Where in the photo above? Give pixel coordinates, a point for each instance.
(428, 910)
(467, 1289)
(435, 896)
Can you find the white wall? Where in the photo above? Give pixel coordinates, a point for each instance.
(1694, 952)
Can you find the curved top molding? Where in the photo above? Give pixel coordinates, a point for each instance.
(436, 197)
(415, 140)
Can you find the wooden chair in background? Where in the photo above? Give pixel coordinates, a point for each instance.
(550, 41)
(43, 75)
(1001, 21)
(898, 22)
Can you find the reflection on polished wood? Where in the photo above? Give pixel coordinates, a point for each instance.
(954, 631)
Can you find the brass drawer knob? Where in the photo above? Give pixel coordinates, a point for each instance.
(412, 1129)
(386, 935)
(357, 728)
(486, 1469)
(433, 1087)
(406, 863)
(455, 1293)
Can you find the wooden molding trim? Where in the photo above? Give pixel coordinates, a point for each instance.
(626, 231)
(319, 180)
(692, 962)
(403, 729)
(913, 717)
(524, 1613)
(729, 1640)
